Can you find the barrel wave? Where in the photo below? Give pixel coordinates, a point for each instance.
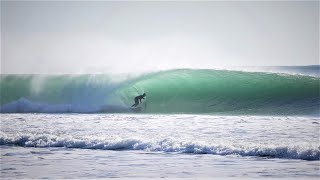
(173, 91)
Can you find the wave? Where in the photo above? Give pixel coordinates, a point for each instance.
(172, 91)
(166, 145)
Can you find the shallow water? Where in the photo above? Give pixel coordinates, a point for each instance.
(21, 162)
(131, 145)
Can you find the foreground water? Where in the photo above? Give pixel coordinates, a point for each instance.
(149, 145)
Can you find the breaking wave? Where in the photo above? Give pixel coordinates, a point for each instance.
(166, 145)
(172, 91)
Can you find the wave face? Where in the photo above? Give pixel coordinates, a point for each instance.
(173, 91)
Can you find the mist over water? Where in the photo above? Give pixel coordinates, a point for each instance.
(57, 37)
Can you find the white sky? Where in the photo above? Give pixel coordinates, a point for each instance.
(125, 37)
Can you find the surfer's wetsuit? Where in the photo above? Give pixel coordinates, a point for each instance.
(138, 99)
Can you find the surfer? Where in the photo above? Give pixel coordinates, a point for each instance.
(138, 99)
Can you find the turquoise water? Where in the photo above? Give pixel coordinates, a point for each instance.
(173, 91)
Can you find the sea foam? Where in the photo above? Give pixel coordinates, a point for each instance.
(165, 145)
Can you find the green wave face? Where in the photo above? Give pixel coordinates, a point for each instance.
(175, 91)
(214, 91)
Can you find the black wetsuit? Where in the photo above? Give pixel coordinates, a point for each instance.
(137, 100)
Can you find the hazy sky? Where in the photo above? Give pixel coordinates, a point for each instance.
(104, 37)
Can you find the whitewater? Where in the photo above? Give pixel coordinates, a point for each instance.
(199, 123)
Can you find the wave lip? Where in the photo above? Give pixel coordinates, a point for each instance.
(284, 152)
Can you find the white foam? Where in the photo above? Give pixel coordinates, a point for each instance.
(165, 145)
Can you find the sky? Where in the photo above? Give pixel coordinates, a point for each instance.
(67, 37)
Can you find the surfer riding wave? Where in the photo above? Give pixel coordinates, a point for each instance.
(138, 99)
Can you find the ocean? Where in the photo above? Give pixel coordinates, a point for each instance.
(194, 123)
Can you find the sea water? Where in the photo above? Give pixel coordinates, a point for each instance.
(153, 145)
(192, 91)
(194, 123)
